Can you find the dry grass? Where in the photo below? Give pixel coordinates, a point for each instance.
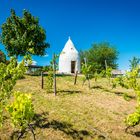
(77, 112)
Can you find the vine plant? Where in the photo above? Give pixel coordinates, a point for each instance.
(21, 110)
(8, 76)
(130, 81)
(86, 69)
(108, 73)
(49, 80)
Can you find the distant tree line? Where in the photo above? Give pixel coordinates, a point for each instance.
(100, 56)
(134, 62)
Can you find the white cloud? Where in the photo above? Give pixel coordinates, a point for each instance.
(46, 55)
(34, 62)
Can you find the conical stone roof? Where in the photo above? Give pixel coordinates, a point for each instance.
(69, 47)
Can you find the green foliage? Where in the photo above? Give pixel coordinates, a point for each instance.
(126, 97)
(8, 77)
(132, 78)
(108, 73)
(46, 68)
(133, 119)
(49, 81)
(97, 55)
(96, 76)
(51, 73)
(54, 63)
(134, 63)
(86, 70)
(120, 80)
(23, 35)
(21, 110)
(2, 57)
(130, 81)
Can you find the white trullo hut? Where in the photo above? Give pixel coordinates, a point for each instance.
(69, 60)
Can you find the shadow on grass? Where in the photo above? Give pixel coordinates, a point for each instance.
(65, 92)
(137, 134)
(37, 120)
(118, 93)
(130, 130)
(66, 128)
(42, 122)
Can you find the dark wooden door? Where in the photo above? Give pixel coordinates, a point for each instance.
(73, 66)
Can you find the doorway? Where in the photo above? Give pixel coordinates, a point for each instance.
(73, 66)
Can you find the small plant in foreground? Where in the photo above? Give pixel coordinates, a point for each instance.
(9, 74)
(130, 81)
(21, 111)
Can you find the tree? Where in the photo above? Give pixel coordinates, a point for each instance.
(23, 35)
(98, 54)
(2, 57)
(134, 63)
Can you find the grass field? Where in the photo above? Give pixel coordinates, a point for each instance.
(77, 112)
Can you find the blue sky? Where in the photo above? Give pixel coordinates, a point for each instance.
(86, 21)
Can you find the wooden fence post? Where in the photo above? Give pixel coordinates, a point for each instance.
(42, 80)
(105, 64)
(54, 74)
(88, 81)
(75, 80)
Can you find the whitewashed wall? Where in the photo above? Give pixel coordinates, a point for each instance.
(68, 54)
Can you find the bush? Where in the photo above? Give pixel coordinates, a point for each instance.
(21, 111)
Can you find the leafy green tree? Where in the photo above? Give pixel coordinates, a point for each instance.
(98, 54)
(2, 57)
(23, 35)
(134, 63)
